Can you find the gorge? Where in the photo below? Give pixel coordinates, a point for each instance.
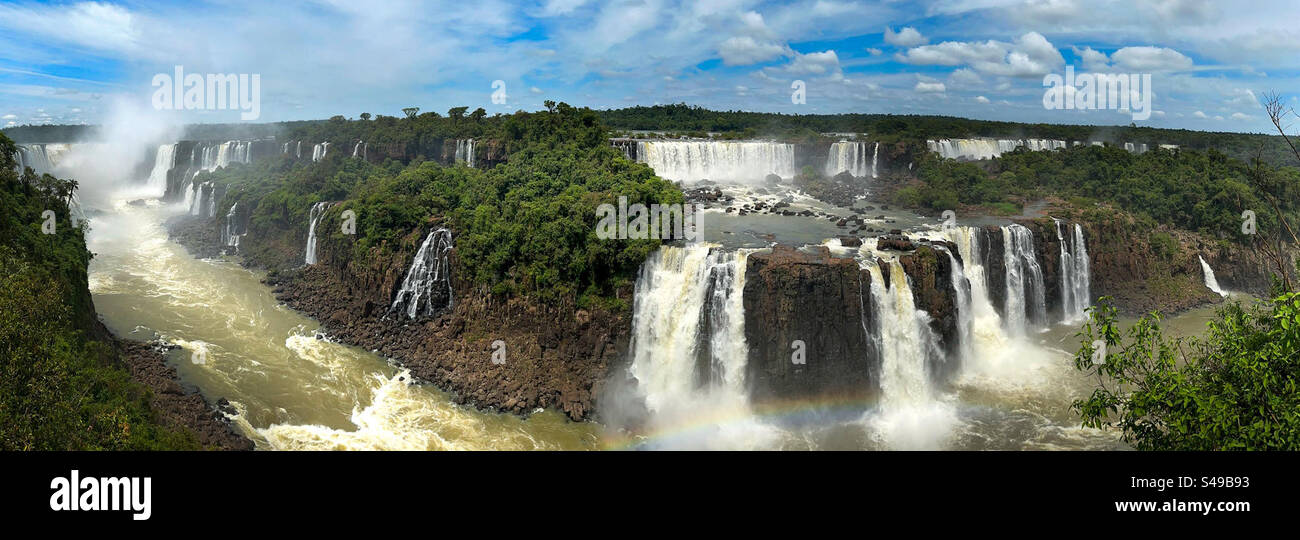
(913, 335)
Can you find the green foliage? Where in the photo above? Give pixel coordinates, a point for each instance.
(1234, 390)
(59, 389)
(526, 226)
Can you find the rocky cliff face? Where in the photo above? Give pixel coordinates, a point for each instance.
(931, 275)
(555, 354)
(824, 302)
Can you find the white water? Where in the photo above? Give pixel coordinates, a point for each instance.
(318, 151)
(682, 293)
(911, 415)
(746, 162)
(230, 235)
(317, 210)
(975, 149)
(1210, 281)
(465, 151)
(428, 277)
(1025, 303)
(851, 157)
(1076, 295)
(164, 161)
(291, 389)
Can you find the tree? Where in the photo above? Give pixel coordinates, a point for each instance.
(456, 113)
(365, 116)
(411, 111)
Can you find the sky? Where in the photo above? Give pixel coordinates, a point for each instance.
(1211, 63)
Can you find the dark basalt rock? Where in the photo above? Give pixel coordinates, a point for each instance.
(895, 242)
(812, 297)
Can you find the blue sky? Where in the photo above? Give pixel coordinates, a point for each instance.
(1211, 62)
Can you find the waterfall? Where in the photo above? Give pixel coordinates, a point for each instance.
(688, 337)
(297, 153)
(977, 149)
(164, 161)
(1075, 275)
(910, 414)
(1210, 281)
(850, 157)
(719, 161)
(230, 236)
(36, 156)
(318, 151)
(317, 211)
(465, 151)
(962, 291)
(428, 279)
(875, 160)
(357, 148)
(1025, 302)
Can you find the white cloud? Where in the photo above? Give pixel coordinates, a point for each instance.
(1147, 59)
(561, 7)
(1241, 116)
(1093, 60)
(1199, 114)
(874, 51)
(907, 37)
(825, 63)
(1031, 55)
(981, 99)
(93, 25)
(8, 117)
(965, 78)
(745, 50)
(535, 90)
(923, 87)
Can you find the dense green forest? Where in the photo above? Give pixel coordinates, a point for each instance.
(892, 127)
(61, 386)
(525, 226)
(1204, 192)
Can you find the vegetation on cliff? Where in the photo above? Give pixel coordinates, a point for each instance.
(525, 226)
(61, 385)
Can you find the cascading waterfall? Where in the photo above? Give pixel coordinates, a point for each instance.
(1075, 276)
(357, 148)
(721, 161)
(428, 279)
(688, 343)
(317, 211)
(1210, 281)
(962, 290)
(40, 157)
(977, 149)
(465, 152)
(875, 160)
(850, 157)
(318, 151)
(164, 161)
(233, 231)
(910, 414)
(1025, 300)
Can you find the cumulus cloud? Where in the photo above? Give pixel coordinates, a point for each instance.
(754, 43)
(745, 50)
(1093, 60)
(1031, 55)
(923, 87)
(981, 99)
(1199, 114)
(815, 64)
(1148, 59)
(906, 37)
